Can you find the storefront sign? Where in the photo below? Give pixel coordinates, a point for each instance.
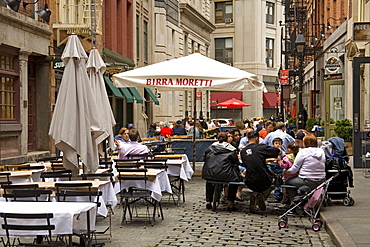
(361, 31)
(199, 95)
(332, 65)
(58, 64)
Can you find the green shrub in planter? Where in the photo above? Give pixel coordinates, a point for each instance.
(310, 123)
(343, 129)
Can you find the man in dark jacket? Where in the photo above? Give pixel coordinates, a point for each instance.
(221, 164)
(258, 177)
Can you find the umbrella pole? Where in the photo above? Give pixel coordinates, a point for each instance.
(195, 117)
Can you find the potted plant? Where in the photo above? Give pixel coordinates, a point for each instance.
(343, 129)
(310, 123)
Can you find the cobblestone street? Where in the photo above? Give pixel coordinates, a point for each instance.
(191, 224)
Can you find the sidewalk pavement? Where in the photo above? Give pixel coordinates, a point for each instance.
(350, 226)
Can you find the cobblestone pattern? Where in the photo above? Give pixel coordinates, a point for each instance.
(191, 224)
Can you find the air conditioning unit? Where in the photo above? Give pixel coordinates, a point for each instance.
(228, 20)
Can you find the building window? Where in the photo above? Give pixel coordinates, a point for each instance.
(270, 12)
(224, 50)
(145, 41)
(9, 85)
(137, 37)
(270, 52)
(224, 12)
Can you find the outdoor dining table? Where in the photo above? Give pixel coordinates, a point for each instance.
(157, 182)
(25, 176)
(178, 165)
(106, 187)
(68, 216)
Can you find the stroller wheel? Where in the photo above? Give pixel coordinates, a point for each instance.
(347, 201)
(282, 224)
(352, 202)
(316, 227)
(319, 222)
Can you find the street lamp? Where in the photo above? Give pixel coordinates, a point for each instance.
(300, 45)
(43, 13)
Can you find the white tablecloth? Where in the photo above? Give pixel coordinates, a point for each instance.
(184, 170)
(162, 183)
(68, 216)
(108, 195)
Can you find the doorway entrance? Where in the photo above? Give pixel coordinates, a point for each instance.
(334, 105)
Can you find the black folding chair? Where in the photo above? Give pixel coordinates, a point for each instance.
(140, 156)
(30, 168)
(26, 224)
(8, 189)
(5, 178)
(32, 195)
(63, 174)
(133, 196)
(84, 186)
(89, 196)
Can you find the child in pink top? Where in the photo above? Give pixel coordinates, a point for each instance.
(288, 160)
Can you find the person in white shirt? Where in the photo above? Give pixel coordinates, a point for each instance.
(310, 165)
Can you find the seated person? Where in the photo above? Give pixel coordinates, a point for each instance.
(310, 165)
(221, 163)
(159, 138)
(258, 177)
(134, 147)
(178, 129)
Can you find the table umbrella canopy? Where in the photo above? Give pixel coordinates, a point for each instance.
(193, 71)
(76, 124)
(233, 103)
(96, 68)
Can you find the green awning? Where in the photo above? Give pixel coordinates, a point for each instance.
(115, 90)
(127, 94)
(151, 94)
(136, 94)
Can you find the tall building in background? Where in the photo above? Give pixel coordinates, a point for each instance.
(248, 37)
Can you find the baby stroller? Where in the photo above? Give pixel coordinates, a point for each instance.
(337, 162)
(309, 202)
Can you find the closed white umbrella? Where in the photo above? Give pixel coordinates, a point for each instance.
(96, 68)
(75, 125)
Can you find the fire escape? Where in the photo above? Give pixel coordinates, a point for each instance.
(81, 17)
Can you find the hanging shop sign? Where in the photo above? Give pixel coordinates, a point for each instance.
(58, 64)
(332, 65)
(284, 77)
(361, 31)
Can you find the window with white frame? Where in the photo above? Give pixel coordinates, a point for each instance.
(224, 50)
(224, 12)
(270, 52)
(270, 12)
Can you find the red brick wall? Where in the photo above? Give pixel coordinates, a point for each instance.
(118, 27)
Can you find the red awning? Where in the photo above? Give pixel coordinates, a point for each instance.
(218, 97)
(269, 100)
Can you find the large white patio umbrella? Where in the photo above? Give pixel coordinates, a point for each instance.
(76, 125)
(96, 68)
(190, 73)
(193, 71)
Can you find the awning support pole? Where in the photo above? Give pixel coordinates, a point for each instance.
(194, 119)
